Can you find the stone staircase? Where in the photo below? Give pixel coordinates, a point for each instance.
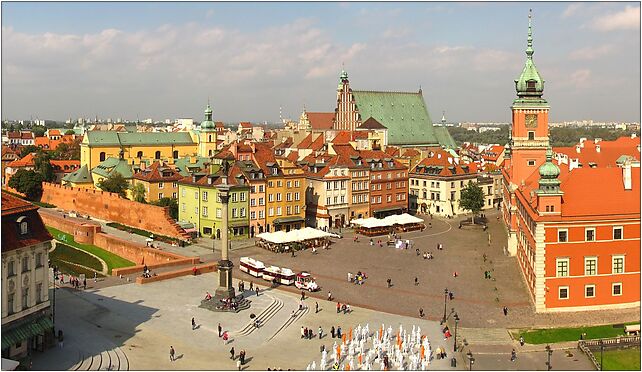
(298, 314)
(484, 336)
(108, 360)
(264, 317)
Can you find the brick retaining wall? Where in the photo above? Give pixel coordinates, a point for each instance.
(201, 269)
(111, 207)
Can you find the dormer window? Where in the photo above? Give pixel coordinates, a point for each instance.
(530, 86)
(275, 171)
(23, 224)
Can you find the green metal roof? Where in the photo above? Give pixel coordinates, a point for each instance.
(109, 138)
(81, 175)
(24, 331)
(111, 165)
(183, 164)
(444, 138)
(403, 113)
(529, 73)
(282, 220)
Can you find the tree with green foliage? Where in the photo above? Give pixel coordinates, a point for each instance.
(27, 182)
(42, 165)
(171, 203)
(26, 150)
(115, 183)
(138, 192)
(38, 130)
(70, 132)
(472, 198)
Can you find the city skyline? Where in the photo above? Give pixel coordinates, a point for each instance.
(290, 54)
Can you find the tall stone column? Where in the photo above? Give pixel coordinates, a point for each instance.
(225, 288)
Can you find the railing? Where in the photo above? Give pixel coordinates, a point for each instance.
(584, 345)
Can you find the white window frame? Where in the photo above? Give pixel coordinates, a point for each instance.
(161, 195)
(234, 213)
(204, 211)
(559, 292)
(613, 289)
(161, 185)
(615, 257)
(261, 214)
(531, 162)
(558, 235)
(586, 260)
(219, 213)
(279, 211)
(621, 232)
(586, 287)
(568, 266)
(586, 231)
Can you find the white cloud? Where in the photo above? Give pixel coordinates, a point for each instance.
(590, 53)
(580, 78)
(627, 19)
(571, 10)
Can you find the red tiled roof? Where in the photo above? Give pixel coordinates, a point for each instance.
(155, 173)
(14, 135)
(12, 205)
(372, 123)
(610, 151)
(27, 135)
(411, 153)
(12, 209)
(59, 165)
(343, 137)
(26, 161)
(440, 158)
(321, 120)
(246, 124)
(54, 132)
(392, 151)
(305, 143)
(293, 156)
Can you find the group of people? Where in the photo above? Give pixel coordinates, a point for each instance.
(426, 255)
(241, 361)
(146, 272)
(345, 308)
(73, 280)
(308, 334)
(358, 278)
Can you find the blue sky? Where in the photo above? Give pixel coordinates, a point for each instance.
(163, 60)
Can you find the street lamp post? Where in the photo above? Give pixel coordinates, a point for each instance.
(471, 360)
(601, 355)
(548, 355)
(445, 299)
(456, 317)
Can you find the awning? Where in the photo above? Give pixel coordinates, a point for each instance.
(9, 364)
(387, 209)
(25, 331)
(283, 220)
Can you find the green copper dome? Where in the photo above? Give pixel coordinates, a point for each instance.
(529, 83)
(208, 124)
(549, 170)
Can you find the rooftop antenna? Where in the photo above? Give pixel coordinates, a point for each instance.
(281, 113)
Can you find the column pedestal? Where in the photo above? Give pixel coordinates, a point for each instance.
(225, 288)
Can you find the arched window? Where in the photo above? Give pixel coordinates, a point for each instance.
(139, 154)
(158, 155)
(102, 156)
(209, 138)
(175, 154)
(24, 226)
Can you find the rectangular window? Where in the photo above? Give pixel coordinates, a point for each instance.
(261, 188)
(161, 195)
(252, 202)
(616, 289)
(297, 183)
(388, 198)
(278, 197)
(531, 163)
(174, 185)
(242, 196)
(374, 200)
(288, 210)
(10, 301)
(279, 183)
(233, 197)
(590, 265)
(204, 211)
(589, 290)
(563, 293)
(297, 196)
(261, 214)
(196, 195)
(261, 201)
(378, 199)
(618, 265)
(289, 184)
(39, 260)
(242, 212)
(297, 209)
(562, 266)
(182, 192)
(270, 198)
(278, 211)
(204, 195)
(38, 293)
(343, 199)
(270, 184)
(161, 185)
(183, 207)
(328, 201)
(562, 235)
(617, 232)
(234, 213)
(336, 200)
(253, 215)
(590, 234)
(288, 196)
(25, 298)
(174, 195)
(374, 187)
(25, 264)
(219, 213)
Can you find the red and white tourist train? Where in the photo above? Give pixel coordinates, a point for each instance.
(285, 276)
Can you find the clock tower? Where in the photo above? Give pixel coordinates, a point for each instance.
(529, 131)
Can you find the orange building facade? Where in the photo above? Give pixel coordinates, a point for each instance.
(574, 224)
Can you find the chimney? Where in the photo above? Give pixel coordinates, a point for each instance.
(597, 148)
(578, 149)
(626, 175)
(450, 160)
(574, 163)
(582, 141)
(143, 165)
(638, 148)
(633, 135)
(597, 140)
(438, 156)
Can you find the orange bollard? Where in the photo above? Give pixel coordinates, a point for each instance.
(350, 334)
(343, 338)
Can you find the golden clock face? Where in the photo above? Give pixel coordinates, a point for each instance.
(531, 121)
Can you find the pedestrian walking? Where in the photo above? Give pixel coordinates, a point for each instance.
(220, 329)
(338, 331)
(226, 337)
(242, 357)
(513, 356)
(251, 286)
(303, 330)
(416, 281)
(302, 295)
(332, 331)
(521, 340)
(338, 307)
(320, 332)
(505, 311)
(84, 283)
(329, 296)
(238, 364)
(257, 290)
(172, 353)
(421, 312)
(232, 353)
(193, 323)
(316, 307)
(389, 281)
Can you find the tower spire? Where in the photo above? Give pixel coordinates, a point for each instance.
(529, 40)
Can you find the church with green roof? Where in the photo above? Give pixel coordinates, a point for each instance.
(404, 114)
